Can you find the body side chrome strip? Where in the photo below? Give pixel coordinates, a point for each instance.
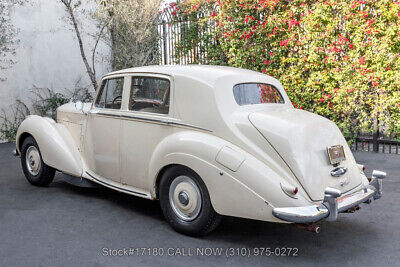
(171, 123)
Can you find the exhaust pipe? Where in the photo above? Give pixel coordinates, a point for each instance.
(369, 201)
(310, 227)
(352, 210)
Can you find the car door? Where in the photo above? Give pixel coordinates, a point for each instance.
(144, 125)
(102, 140)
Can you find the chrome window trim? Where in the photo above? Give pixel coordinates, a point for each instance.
(131, 75)
(244, 83)
(97, 92)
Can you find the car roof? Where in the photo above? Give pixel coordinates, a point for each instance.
(203, 94)
(207, 73)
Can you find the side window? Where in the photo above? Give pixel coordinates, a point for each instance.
(149, 94)
(110, 95)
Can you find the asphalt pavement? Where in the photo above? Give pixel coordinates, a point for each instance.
(64, 225)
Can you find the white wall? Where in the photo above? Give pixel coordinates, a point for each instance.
(48, 53)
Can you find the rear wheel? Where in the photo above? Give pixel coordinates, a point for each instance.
(35, 170)
(185, 202)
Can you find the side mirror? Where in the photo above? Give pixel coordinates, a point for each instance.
(79, 106)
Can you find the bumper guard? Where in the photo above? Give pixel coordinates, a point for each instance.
(333, 203)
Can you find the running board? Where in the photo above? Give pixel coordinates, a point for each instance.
(79, 182)
(116, 186)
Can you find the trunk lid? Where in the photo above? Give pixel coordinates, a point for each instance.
(301, 138)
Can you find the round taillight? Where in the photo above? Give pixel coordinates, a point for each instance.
(295, 191)
(289, 189)
(363, 168)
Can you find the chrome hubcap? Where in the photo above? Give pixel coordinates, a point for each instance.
(185, 198)
(33, 161)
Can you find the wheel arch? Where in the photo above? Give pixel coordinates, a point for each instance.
(56, 144)
(21, 140)
(164, 169)
(159, 176)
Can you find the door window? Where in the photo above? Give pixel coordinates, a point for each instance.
(150, 94)
(110, 95)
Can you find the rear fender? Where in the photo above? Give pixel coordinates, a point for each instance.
(251, 190)
(56, 144)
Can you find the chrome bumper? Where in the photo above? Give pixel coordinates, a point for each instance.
(333, 203)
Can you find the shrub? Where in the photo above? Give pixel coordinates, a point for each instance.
(132, 32)
(11, 120)
(45, 103)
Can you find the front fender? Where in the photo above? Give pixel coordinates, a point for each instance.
(251, 191)
(56, 144)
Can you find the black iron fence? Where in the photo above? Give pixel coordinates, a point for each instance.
(172, 33)
(376, 145)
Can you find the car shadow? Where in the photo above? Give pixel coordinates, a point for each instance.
(347, 233)
(135, 204)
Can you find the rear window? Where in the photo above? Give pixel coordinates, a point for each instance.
(256, 93)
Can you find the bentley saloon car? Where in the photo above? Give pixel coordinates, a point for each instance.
(205, 141)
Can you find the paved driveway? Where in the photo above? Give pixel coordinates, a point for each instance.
(66, 225)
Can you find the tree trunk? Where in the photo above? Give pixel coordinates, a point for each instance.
(113, 48)
(78, 35)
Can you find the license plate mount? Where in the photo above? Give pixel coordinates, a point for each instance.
(336, 154)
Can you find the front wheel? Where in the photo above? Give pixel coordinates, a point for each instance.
(185, 202)
(35, 170)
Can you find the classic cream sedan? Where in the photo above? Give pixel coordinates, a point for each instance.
(204, 140)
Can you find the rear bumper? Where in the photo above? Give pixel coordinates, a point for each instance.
(333, 203)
